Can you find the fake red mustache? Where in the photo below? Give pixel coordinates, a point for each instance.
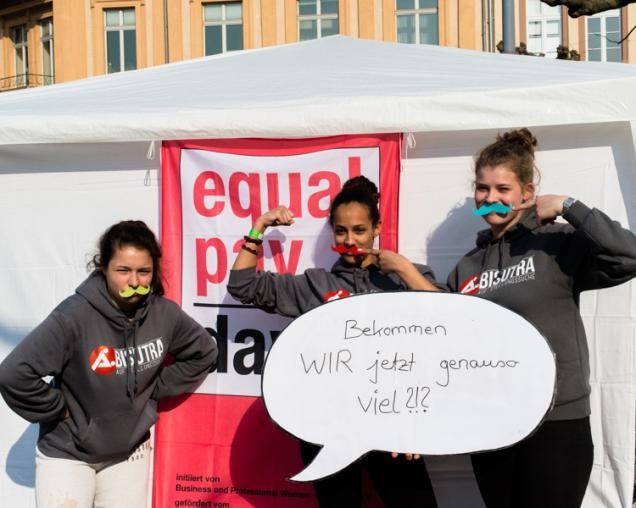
(352, 251)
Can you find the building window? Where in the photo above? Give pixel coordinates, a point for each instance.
(317, 18)
(544, 28)
(603, 34)
(21, 55)
(121, 40)
(417, 21)
(223, 27)
(48, 74)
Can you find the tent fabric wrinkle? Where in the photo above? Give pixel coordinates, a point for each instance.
(361, 86)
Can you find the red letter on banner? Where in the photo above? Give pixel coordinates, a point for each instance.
(253, 184)
(273, 196)
(354, 166)
(203, 275)
(333, 186)
(201, 191)
(279, 260)
(295, 195)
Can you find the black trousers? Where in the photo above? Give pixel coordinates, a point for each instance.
(550, 469)
(399, 483)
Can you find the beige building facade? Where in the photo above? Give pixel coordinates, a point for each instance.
(54, 41)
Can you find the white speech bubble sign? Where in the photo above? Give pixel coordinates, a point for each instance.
(407, 372)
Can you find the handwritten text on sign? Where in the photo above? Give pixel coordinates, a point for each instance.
(418, 372)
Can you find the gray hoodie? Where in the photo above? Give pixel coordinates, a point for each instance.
(107, 370)
(539, 272)
(293, 295)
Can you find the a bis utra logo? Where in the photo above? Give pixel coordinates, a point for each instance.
(103, 361)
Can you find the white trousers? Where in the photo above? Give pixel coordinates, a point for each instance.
(63, 483)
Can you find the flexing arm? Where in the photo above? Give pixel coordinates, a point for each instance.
(247, 256)
(607, 250)
(611, 249)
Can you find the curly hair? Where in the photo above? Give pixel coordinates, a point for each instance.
(358, 189)
(137, 234)
(513, 149)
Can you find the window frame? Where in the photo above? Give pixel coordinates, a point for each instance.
(121, 28)
(223, 23)
(21, 78)
(47, 79)
(603, 17)
(319, 17)
(544, 17)
(416, 12)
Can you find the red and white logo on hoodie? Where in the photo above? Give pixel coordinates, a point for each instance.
(102, 360)
(470, 286)
(335, 295)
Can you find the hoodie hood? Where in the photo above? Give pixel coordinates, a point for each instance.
(95, 291)
(358, 278)
(346, 270)
(489, 244)
(526, 224)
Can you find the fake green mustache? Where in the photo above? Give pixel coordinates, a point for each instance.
(131, 291)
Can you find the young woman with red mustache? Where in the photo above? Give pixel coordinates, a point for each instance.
(355, 222)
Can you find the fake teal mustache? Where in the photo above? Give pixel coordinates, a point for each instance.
(487, 208)
(131, 291)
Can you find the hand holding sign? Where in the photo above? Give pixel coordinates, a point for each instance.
(409, 373)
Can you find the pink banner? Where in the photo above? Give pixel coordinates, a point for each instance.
(218, 447)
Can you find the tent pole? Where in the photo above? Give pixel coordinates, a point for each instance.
(165, 31)
(508, 11)
(486, 26)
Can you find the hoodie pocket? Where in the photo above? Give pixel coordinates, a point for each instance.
(116, 436)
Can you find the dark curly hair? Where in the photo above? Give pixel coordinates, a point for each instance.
(358, 189)
(137, 234)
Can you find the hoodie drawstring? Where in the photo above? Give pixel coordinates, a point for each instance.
(486, 255)
(484, 258)
(135, 383)
(131, 349)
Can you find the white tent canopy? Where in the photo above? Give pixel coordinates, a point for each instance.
(322, 87)
(73, 160)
